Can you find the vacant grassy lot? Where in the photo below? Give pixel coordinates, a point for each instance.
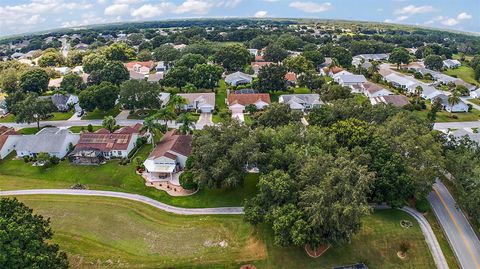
(116, 233)
(15, 174)
(466, 73)
(127, 234)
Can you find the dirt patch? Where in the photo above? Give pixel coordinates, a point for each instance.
(317, 252)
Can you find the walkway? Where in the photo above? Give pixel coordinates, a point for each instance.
(123, 115)
(460, 234)
(424, 225)
(129, 196)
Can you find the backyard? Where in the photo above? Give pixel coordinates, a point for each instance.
(128, 234)
(466, 73)
(444, 116)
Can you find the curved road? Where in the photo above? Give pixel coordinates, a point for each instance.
(424, 225)
(134, 197)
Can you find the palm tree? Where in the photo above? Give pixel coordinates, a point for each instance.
(166, 114)
(334, 63)
(418, 92)
(177, 102)
(453, 100)
(151, 126)
(374, 68)
(187, 124)
(109, 123)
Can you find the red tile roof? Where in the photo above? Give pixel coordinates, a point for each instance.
(149, 64)
(171, 141)
(259, 58)
(4, 133)
(247, 99)
(260, 64)
(291, 76)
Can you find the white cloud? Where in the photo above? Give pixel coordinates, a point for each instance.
(450, 22)
(401, 18)
(116, 9)
(464, 16)
(228, 3)
(412, 9)
(311, 7)
(189, 6)
(149, 11)
(194, 6)
(261, 14)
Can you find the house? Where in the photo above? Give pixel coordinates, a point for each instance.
(458, 134)
(326, 63)
(136, 75)
(291, 78)
(238, 78)
(259, 58)
(168, 159)
(395, 100)
(374, 90)
(81, 47)
(326, 71)
(78, 70)
(162, 66)
(428, 93)
(164, 98)
(51, 140)
(400, 81)
(469, 86)
(205, 102)
(3, 107)
(301, 101)
(8, 140)
(94, 148)
(179, 46)
(373, 57)
(459, 107)
(238, 102)
(253, 51)
(64, 101)
(475, 93)
(449, 63)
(256, 66)
(350, 80)
(140, 67)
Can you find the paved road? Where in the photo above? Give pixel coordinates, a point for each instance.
(134, 197)
(460, 234)
(424, 225)
(465, 99)
(456, 125)
(70, 123)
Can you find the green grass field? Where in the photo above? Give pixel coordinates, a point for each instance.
(28, 130)
(9, 118)
(61, 116)
(15, 174)
(99, 114)
(475, 101)
(444, 116)
(466, 73)
(77, 129)
(127, 234)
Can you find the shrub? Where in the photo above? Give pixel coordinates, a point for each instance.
(90, 128)
(186, 181)
(404, 247)
(54, 160)
(26, 159)
(78, 186)
(422, 205)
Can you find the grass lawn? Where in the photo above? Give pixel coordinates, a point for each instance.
(475, 101)
(15, 174)
(463, 72)
(98, 114)
(78, 129)
(9, 118)
(61, 115)
(442, 240)
(118, 233)
(134, 235)
(444, 116)
(140, 115)
(221, 95)
(28, 130)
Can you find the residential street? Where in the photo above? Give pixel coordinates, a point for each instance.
(456, 125)
(463, 240)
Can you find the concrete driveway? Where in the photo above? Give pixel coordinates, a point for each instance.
(205, 119)
(462, 238)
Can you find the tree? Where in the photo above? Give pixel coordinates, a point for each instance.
(399, 56)
(166, 53)
(343, 56)
(51, 59)
(290, 42)
(178, 102)
(119, 52)
(314, 56)
(139, 94)
(206, 76)
(144, 56)
(418, 93)
(298, 64)
(189, 60)
(259, 42)
(72, 83)
(151, 126)
(221, 153)
(178, 77)
(462, 90)
(26, 239)
(436, 107)
(187, 124)
(434, 62)
(75, 58)
(277, 115)
(335, 92)
(271, 78)
(275, 53)
(109, 123)
(453, 100)
(33, 109)
(114, 72)
(101, 96)
(34, 80)
(311, 80)
(94, 62)
(233, 57)
(166, 115)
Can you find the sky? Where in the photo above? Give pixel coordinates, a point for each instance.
(20, 16)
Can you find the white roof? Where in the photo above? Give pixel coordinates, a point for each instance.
(352, 78)
(401, 80)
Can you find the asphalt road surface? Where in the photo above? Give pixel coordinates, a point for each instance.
(460, 234)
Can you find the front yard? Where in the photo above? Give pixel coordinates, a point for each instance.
(98, 114)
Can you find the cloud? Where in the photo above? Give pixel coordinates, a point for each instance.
(311, 7)
(194, 6)
(450, 22)
(199, 7)
(464, 16)
(149, 11)
(412, 9)
(401, 18)
(117, 9)
(261, 14)
(228, 3)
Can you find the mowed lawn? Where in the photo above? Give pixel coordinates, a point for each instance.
(15, 174)
(117, 233)
(466, 73)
